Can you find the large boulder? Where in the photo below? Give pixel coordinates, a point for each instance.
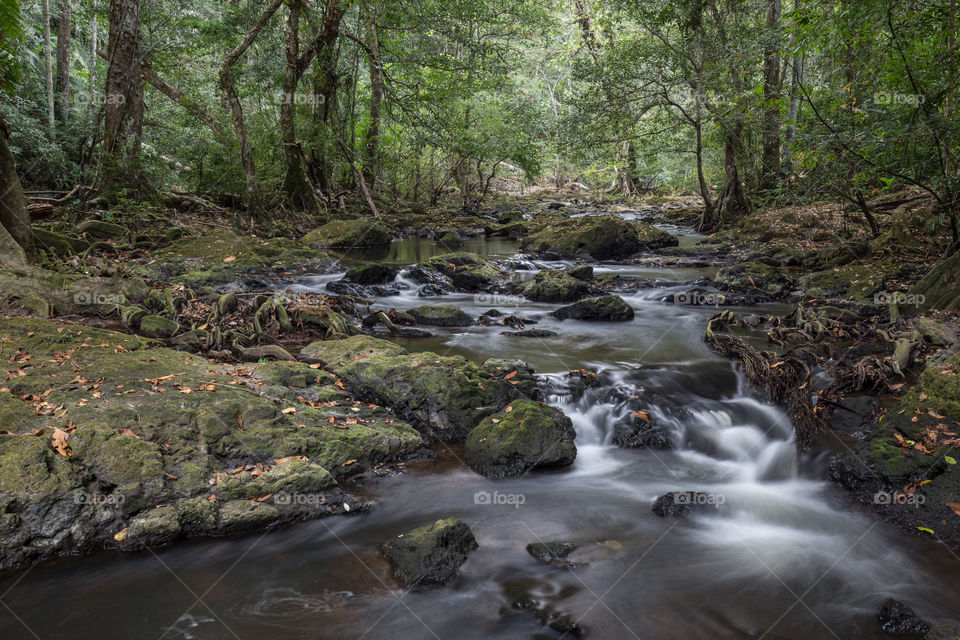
(368, 274)
(612, 308)
(429, 556)
(151, 426)
(443, 396)
(441, 315)
(752, 277)
(652, 238)
(525, 435)
(939, 288)
(467, 271)
(604, 237)
(349, 234)
(556, 286)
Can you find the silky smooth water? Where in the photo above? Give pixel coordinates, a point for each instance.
(787, 555)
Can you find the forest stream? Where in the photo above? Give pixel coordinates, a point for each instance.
(780, 552)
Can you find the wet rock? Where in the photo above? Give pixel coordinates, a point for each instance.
(368, 274)
(652, 238)
(532, 333)
(246, 515)
(540, 598)
(431, 291)
(158, 327)
(581, 272)
(610, 308)
(442, 315)
(443, 396)
(899, 619)
(556, 286)
(891, 457)
(526, 435)
(681, 503)
(753, 277)
(348, 234)
(429, 556)
(517, 372)
(467, 271)
(154, 426)
(640, 434)
(551, 551)
(345, 287)
(601, 237)
(450, 239)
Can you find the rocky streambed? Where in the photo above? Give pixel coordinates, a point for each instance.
(531, 443)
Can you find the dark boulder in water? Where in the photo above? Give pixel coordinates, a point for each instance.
(429, 556)
(899, 619)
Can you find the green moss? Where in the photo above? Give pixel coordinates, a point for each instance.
(338, 353)
(555, 286)
(441, 315)
(652, 238)
(529, 436)
(348, 234)
(226, 257)
(602, 237)
(467, 271)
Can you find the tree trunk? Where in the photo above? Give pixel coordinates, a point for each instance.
(295, 183)
(325, 89)
(733, 201)
(63, 59)
(123, 106)
(232, 102)
(371, 166)
(91, 80)
(16, 242)
(793, 115)
(770, 167)
(48, 68)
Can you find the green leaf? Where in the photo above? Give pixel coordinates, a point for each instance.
(926, 530)
(949, 460)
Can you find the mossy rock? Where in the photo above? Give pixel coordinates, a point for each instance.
(339, 353)
(467, 271)
(48, 293)
(154, 527)
(222, 258)
(939, 288)
(610, 308)
(57, 242)
(441, 315)
(526, 435)
(103, 230)
(158, 327)
(604, 237)
(450, 239)
(348, 234)
(368, 274)
(429, 556)
(246, 515)
(155, 426)
(753, 277)
(652, 238)
(856, 281)
(556, 286)
(442, 396)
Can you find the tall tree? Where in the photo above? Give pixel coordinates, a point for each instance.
(48, 68)
(123, 102)
(64, 26)
(770, 168)
(372, 163)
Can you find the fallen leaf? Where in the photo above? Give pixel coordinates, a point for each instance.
(59, 442)
(955, 507)
(230, 258)
(289, 411)
(508, 409)
(642, 415)
(511, 375)
(129, 433)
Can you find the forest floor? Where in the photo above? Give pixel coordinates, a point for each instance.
(162, 379)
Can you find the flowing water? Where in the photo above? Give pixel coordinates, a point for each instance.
(785, 554)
